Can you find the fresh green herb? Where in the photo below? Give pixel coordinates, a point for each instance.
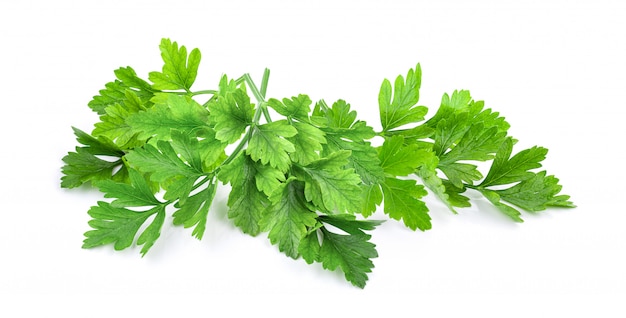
(306, 174)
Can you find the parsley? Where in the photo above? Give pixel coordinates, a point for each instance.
(305, 174)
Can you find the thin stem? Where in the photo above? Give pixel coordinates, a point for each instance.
(188, 92)
(475, 187)
(259, 95)
(255, 91)
(203, 181)
(266, 76)
(266, 115)
(237, 149)
(175, 92)
(208, 91)
(246, 137)
(264, 81)
(210, 100)
(323, 104)
(195, 186)
(261, 110)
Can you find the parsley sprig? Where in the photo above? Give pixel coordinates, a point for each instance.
(305, 174)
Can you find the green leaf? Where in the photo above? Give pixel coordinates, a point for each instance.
(287, 217)
(231, 115)
(536, 193)
(189, 149)
(246, 202)
(495, 199)
(137, 193)
(211, 149)
(449, 131)
(161, 162)
(459, 102)
(113, 123)
(113, 93)
(329, 185)
(194, 210)
(177, 112)
(365, 162)
(130, 79)
(401, 110)
(531, 191)
(344, 132)
(363, 159)
(151, 233)
(398, 159)
(120, 225)
(179, 70)
(341, 120)
(488, 117)
(200, 155)
(268, 144)
(165, 167)
(478, 143)
(454, 195)
(297, 107)
(458, 173)
(443, 189)
(412, 135)
(506, 169)
(97, 145)
(309, 247)
(352, 253)
(227, 86)
(434, 183)
(267, 179)
(464, 130)
(85, 165)
(403, 202)
(371, 198)
(307, 143)
(349, 223)
(238, 171)
(116, 92)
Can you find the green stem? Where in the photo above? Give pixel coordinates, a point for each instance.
(203, 181)
(209, 177)
(175, 92)
(246, 137)
(188, 92)
(210, 100)
(240, 80)
(266, 114)
(207, 91)
(237, 149)
(475, 187)
(260, 110)
(255, 91)
(259, 95)
(266, 76)
(264, 81)
(323, 105)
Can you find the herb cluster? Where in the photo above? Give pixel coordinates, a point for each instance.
(305, 174)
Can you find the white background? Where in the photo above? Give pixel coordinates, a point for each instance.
(555, 69)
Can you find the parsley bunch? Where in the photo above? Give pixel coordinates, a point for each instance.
(298, 171)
